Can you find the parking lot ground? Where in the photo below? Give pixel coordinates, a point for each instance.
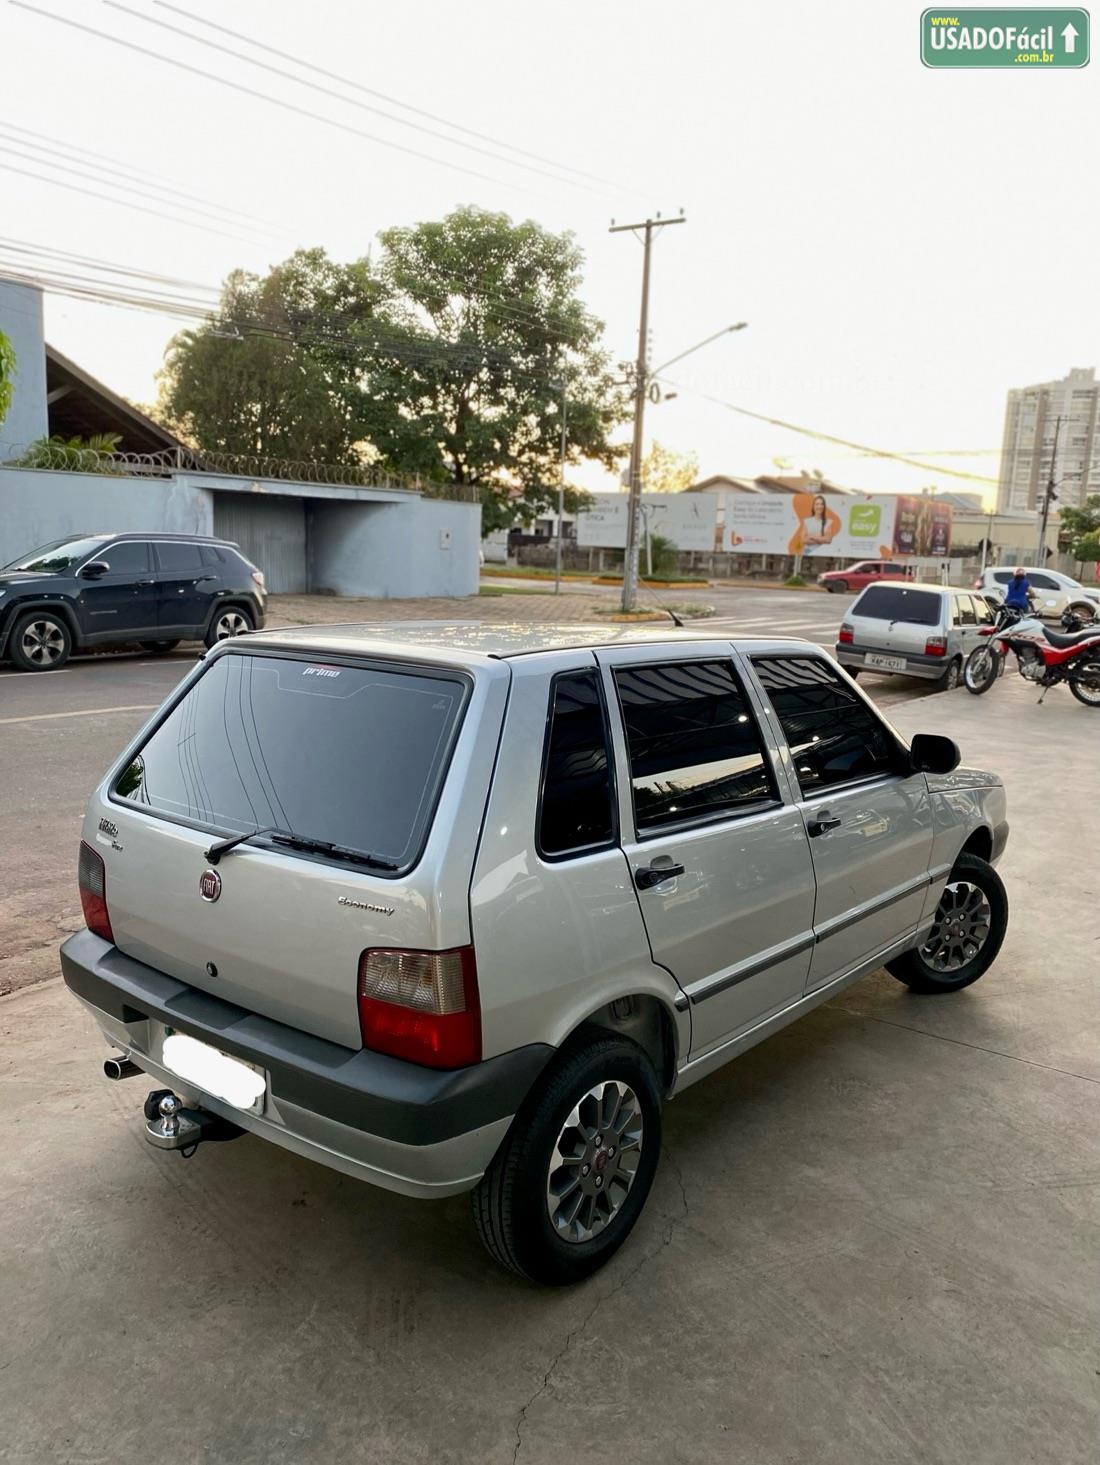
(872, 1238)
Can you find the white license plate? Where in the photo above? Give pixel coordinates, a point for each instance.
(235, 1082)
(884, 663)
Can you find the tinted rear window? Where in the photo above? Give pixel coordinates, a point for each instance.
(354, 755)
(899, 603)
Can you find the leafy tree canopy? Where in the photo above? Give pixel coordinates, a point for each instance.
(445, 358)
(666, 471)
(1081, 525)
(7, 371)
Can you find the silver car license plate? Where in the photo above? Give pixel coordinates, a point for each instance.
(884, 663)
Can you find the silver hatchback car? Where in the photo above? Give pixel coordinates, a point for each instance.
(457, 908)
(914, 630)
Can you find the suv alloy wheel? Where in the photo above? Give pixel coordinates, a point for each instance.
(40, 641)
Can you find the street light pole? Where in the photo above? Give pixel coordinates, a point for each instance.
(1048, 497)
(641, 383)
(561, 489)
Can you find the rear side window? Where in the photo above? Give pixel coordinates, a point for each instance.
(965, 614)
(695, 751)
(1003, 577)
(130, 557)
(899, 603)
(354, 755)
(178, 556)
(1044, 582)
(210, 555)
(575, 813)
(834, 737)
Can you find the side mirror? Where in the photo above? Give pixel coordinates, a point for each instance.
(931, 753)
(93, 569)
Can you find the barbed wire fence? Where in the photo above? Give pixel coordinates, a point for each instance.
(59, 456)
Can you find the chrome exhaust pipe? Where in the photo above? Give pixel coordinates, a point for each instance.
(121, 1068)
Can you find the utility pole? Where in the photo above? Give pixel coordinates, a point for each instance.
(561, 488)
(641, 387)
(1049, 497)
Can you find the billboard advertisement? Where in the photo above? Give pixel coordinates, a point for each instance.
(689, 520)
(836, 526)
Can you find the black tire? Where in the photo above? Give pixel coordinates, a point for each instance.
(229, 620)
(1091, 672)
(158, 648)
(1083, 610)
(40, 641)
(983, 667)
(510, 1203)
(952, 675)
(918, 969)
(838, 587)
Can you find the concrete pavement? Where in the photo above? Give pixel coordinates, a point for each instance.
(872, 1238)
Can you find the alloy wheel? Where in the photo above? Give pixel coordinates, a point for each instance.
(594, 1162)
(962, 926)
(230, 623)
(43, 642)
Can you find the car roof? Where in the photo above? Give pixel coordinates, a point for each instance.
(182, 538)
(915, 585)
(493, 642)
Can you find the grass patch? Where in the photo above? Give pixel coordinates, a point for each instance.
(532, 572)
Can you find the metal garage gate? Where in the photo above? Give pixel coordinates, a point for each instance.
(272, 533)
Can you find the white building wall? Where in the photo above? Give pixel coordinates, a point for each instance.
(38, 506)
(21, 322)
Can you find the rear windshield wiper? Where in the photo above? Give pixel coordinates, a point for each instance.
(301, 842)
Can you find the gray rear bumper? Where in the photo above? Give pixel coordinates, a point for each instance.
(416, 1130)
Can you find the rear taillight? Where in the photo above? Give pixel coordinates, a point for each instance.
(92, 878)
(936, 646)
(258, 577)
(977, 585)
(421, 1005)
(845, 636)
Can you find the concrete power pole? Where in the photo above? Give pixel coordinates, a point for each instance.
(641, 387)
(1048, 497)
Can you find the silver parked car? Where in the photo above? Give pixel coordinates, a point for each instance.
(457, 908)
(916, 630)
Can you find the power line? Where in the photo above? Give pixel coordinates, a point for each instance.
(382, 96)
(252, 92)
(24, 246)
(138, 175)
(87, 170)
(826, 437)
(103, 198)
(328, 92)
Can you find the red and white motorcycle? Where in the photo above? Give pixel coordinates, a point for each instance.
(1043, 656)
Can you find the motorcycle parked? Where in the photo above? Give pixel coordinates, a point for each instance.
(1043, 656)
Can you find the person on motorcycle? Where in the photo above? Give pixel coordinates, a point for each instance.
(1019, 593)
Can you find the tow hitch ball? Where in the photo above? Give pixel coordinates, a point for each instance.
(171, 1126)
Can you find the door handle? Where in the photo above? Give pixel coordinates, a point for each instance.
(146, 582)
(821, 826)
(649, 875)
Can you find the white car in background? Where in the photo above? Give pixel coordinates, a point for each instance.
(1055, 593)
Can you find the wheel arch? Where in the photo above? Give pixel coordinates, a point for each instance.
(979, 842)
(643, 1018)
(61, 608)
(232, 600)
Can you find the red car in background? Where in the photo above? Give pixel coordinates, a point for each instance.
(863, 572)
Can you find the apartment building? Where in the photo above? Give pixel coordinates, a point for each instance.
(1032, 417)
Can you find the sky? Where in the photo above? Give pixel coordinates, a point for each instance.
(904, 243)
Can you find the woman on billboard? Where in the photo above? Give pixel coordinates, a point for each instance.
(818, 525)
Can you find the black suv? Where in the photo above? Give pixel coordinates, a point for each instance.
(99, 589)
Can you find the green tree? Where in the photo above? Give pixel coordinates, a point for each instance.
(278, 372)
(1079, 526)
(490, 326)
(666, 471)
(1086, 548)
(7, 372)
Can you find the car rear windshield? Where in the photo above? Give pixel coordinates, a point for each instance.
(353, 755)
(899, 603)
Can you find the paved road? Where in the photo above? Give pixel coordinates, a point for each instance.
(871, 1240)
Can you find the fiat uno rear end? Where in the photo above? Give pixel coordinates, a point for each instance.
(456, 908)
